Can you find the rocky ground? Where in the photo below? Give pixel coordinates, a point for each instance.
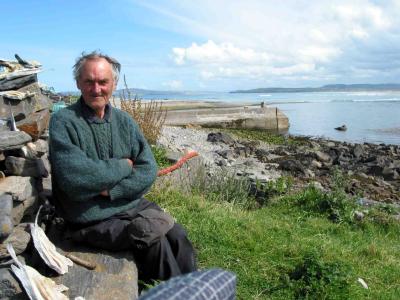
(372, 171)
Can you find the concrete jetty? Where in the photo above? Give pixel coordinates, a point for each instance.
(247, 117)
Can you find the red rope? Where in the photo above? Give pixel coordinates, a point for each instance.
(178, 164)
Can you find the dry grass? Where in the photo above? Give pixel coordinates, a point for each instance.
(150, 115)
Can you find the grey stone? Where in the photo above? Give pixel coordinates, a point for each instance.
(19, 187)
(115, 275)
(26, 208)
(26, 167)
(6, 204)
(358, 151)
(219, 137)
(10, 288)
(28, 151)
(6, 226)
(322, 156)
(11, 140)
(2, 156)
(291, 165)
(19, 239)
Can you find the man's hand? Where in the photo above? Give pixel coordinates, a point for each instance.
(104, 193)
(130, 162)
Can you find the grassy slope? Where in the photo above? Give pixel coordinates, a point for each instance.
(263, 245)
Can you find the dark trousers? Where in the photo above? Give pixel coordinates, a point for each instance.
(166, 256)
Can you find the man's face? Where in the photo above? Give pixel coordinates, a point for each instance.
(96, 83)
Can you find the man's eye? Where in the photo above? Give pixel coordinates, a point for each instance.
(103, 82)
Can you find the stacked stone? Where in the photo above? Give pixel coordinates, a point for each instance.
(24, 116)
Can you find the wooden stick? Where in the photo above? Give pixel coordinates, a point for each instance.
(84, 263)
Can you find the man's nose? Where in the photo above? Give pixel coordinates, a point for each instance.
(96, 88)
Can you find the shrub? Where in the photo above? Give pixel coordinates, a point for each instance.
(150, 116)
(312, 278)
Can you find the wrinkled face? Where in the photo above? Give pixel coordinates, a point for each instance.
(96, 83)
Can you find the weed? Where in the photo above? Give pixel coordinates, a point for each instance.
(224, 186)
(313, 278)
(149, 116)
(160, 156)
(265, 191)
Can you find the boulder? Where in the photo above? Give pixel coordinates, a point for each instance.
(219, 137)
(19, 187)
(26, 208)
(26, 167)
(115, 275)
(9, 286)
(6, 224)
(35, 124)
(11, 140)
(19, 239)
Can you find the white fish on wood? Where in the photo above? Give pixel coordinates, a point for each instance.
(47, 250)
(36, 286)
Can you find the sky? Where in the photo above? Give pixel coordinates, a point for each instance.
(210, 45)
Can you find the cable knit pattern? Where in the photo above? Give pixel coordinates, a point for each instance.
(90, 157)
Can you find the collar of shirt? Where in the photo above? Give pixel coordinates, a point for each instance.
(90, 115)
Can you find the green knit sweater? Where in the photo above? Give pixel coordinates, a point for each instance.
(88, 157)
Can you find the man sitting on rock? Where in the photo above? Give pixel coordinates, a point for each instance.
(102, 166)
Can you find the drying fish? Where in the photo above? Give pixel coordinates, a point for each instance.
(36, 286)
(47, 250)
(13, 126)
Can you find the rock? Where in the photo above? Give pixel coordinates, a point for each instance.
(28, 151)
(291, 165)
(318, 186)
(227, 154)
(41, 147)
(341, 128)
(220, 137)
(358, 215)
(390, 174)
(316, 164)
(26, 208)
(19, 239)
(322, 156)
(19, 187)
(36, 123)
(2, 156)
(6, 226)
(9, 286)
(6, 204)
(11, 140)
(358, 151)
(115, 275)
(26, 167)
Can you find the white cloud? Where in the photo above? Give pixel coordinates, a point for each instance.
(275, 40)
(173, 84)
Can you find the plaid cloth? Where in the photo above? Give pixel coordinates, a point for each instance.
(213, 284)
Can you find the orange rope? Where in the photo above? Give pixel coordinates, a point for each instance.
(178, 164)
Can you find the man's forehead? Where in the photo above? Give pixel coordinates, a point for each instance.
(96, 67)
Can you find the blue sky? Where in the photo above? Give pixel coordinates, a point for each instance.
(213, 45)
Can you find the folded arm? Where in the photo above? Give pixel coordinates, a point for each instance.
(144, 170)
(78, 175)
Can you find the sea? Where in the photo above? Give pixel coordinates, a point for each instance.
(370, 116)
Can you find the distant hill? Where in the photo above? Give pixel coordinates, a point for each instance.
(327, 88)
(133, 92)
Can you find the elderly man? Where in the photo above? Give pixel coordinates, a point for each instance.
(102, 166)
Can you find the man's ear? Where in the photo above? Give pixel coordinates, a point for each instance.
(77, 85)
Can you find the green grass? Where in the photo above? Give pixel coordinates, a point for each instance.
(289, 250)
